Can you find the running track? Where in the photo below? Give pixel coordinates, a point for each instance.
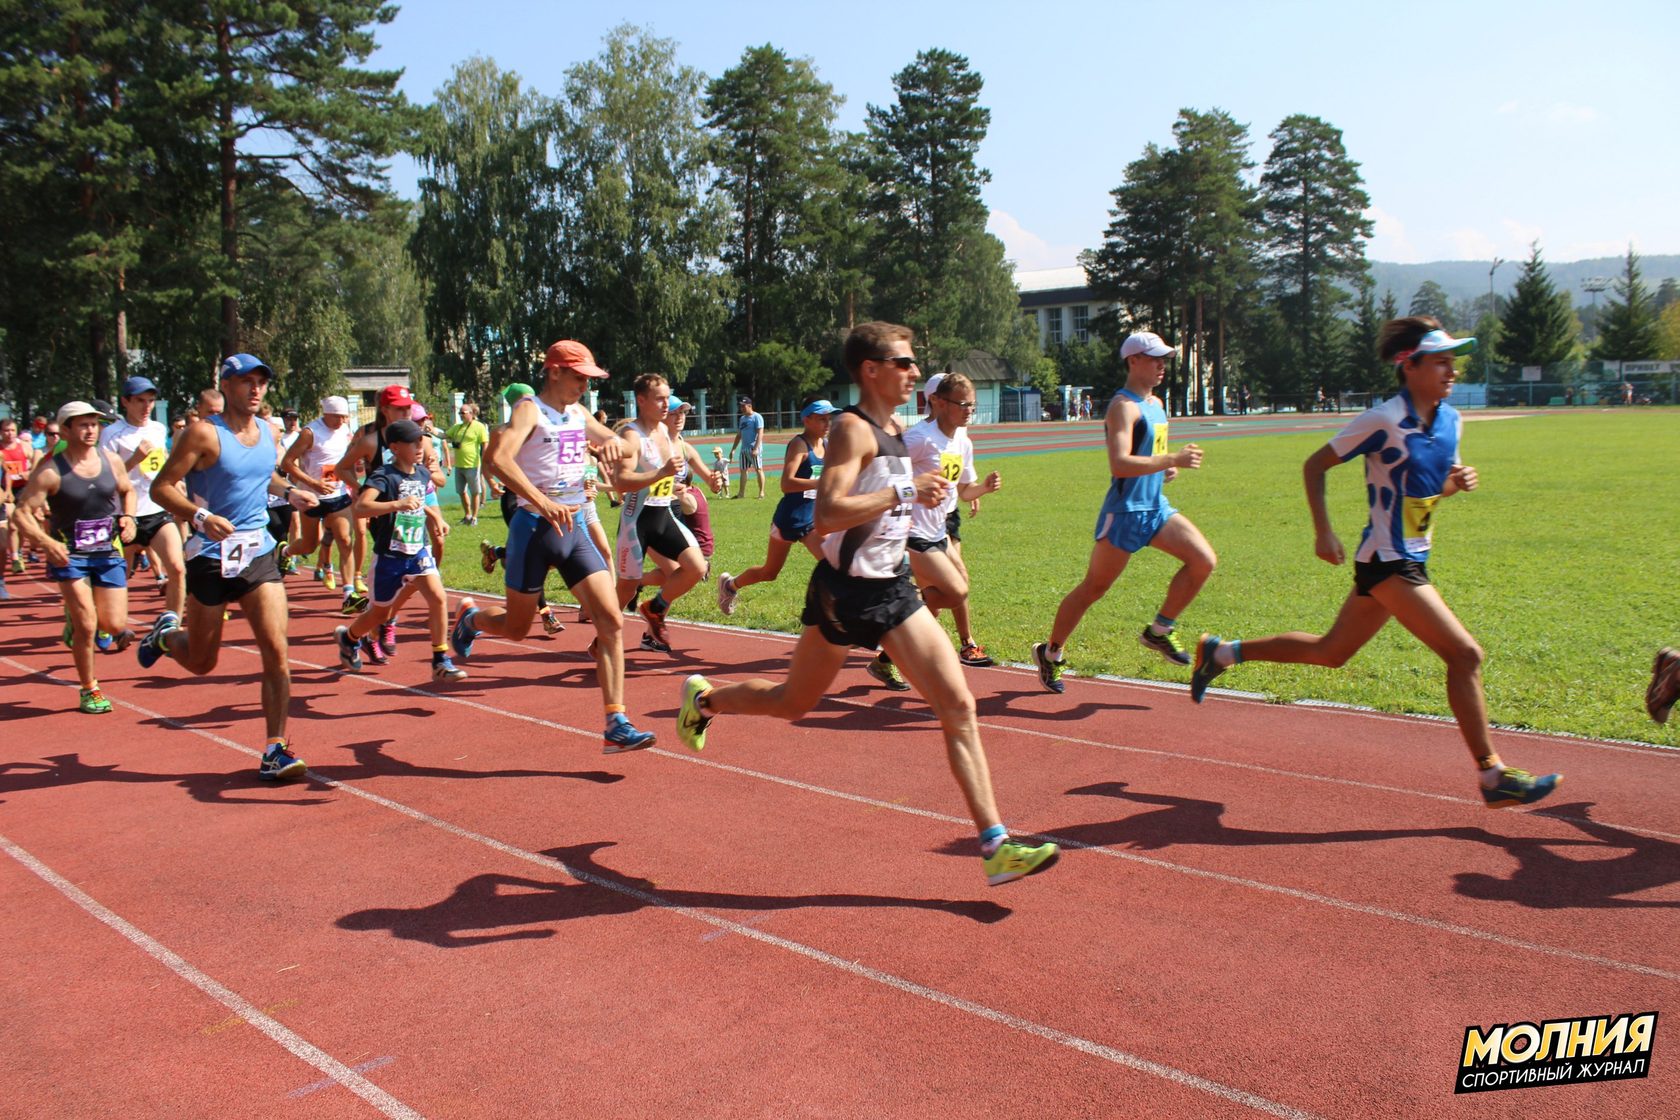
(469, 912)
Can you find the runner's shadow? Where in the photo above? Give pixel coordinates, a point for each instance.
(215, 789)
(373, 762)
(1546, 880)
(1006, 704)
(15, 710)
(494, 902)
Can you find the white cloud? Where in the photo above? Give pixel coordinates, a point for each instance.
(1471, 245)
(1388, 239)
(1027, 249)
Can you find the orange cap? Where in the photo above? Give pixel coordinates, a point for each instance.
(567, 354)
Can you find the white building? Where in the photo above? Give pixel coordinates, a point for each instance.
(1060, 303)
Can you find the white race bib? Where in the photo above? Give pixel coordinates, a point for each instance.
(239, 550)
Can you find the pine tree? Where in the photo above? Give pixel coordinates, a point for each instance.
(1537, 328)
(1432, 300)
(1628, 327)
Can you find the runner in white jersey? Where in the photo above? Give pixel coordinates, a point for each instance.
(647, 526)
(139, 441)
(312, 462)
(540, 457)
(860, 593)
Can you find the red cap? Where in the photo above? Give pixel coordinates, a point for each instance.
(568, 354)
(394, 395)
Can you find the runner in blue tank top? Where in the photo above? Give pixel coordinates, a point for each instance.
(228, 464)
(1410, 447)
(1135, 513)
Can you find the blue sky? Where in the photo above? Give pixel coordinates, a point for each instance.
(1480, 127)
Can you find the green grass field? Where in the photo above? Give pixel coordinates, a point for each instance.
(1563, 563)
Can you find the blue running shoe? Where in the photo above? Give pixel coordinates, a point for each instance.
(622, 736)
(349, 650)
(151, 646)
(461, 635)
(278, 764)
(1206, 667)
(1519, 787)
(103, 641)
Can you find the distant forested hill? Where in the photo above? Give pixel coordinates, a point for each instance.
(1464, 280)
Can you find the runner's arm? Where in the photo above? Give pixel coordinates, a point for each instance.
(506, 443)
(850, 444)
(1325, 542)
(197, 449)
(797, 452)
(1122, 463)
(42, 484)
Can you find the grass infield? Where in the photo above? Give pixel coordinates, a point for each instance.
(1563, 564)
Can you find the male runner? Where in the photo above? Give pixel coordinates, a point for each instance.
(312, 462)
(749, 437)
(645, 475)
(861, 595)
(228, 463)
(540, 456)
(85, 490)
(1135, 514)
(138, 443)
(17, 458)
(692, 506)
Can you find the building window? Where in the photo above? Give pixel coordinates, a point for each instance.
(1052, 326)
(1082, 322)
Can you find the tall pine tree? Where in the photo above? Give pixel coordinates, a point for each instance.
(1537, 328)
(1628, 327)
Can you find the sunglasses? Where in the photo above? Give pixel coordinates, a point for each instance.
(902, 361)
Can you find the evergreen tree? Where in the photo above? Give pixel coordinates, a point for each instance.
(1314, 205)
(1432, 300)
(1628, 326)
(1366, 372)
(1537, 328)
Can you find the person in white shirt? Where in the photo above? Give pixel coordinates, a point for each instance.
(140, 442)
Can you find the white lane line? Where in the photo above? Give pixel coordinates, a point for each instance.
(963, 822)
(909, 987)
(337, 1072)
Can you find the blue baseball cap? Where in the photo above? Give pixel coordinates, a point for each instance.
(240, 364)
(817, 408)
(134, 386)
(675, 404)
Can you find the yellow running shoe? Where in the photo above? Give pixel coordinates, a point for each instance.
(1015, 860)
(330, 582)
(691, 725)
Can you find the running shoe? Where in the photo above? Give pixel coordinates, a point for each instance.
(94, 702)
(143, 564)
(1167, 645)
(151, 646)
(361, 586)
(975, 654)
(122, 639)
(1015, 860)
(330, 580)
(372, 651)
(887, 673)
(727, 593)
(461, 635)
(653, 644)
(1206, 667)
(1519, 787)
(320, 576)
(349, 650)
(354, 604)
(287, 563)
(487, 556)
(387, 641)
(444, 669)
(655, 626)
(621, 735)
(102, 641)
(4, 594)
(551, 621)
(17, 565)
(279, 763)
(161, 579)
(1664, 688)
(691, 725)
(1049, 672)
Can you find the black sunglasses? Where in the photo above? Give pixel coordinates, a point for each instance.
(902, 361)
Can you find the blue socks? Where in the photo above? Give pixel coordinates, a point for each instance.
(991, 838)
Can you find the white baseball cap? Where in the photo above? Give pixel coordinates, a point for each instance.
(1144, 342)
(335, 406)
(933, 384)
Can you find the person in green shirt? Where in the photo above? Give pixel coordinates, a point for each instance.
(468, 439)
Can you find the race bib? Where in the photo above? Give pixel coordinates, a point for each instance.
(1418, 515)
(153, 462)
(239, 550)
(1160, 440)
(895, 526)
(408, 531)
(91, 536)
(329, 473)
(661, 488)
(950, 466)
(816, 473)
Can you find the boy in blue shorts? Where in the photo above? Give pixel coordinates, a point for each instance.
(393, 500)
(1135, 514)
(1410, 447)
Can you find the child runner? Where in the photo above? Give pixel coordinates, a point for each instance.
(793, 521)
(861, 595)
(1135, 514)
(1410, 447)
(86, 493)
(393, 499)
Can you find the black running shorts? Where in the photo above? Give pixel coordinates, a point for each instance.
(850, 611)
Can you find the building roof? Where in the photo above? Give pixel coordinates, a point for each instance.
(983, 368)
(1050, 279)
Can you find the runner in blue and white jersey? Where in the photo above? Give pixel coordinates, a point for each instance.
(1410, 447)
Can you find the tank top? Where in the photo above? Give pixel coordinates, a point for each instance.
(660, 490)
(556, 452)
(15, 460)
(236, 488)
(82, 512)
(799, 509)
(327, 446)
(875, 549)
(1141, 493)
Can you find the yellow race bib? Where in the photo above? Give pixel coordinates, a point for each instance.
(661, 488)
(1418, 516)
(950, 466)
(153, 462)
(1160, 440)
